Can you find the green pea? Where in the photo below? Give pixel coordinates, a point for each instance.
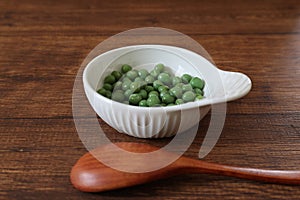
(149, 79)
(159, 67)
(132, 74)
(187, 87)
(167, 98)
(154, 73)
(110, 79)
(198, 91)
(198, 97)
(127, 93)
(188, 96)
(143, 94)
(197, 83)
(176, 80)
(171, 104)
(149, 88)
(143, 103)
(157, 83)
(126, 79)
(126, 68)
(179, 101)
(108, 86)
(117, 74)
(163, 104)
(164, 92)
(138, 82)
(134, 99)
(153, 101)
(138, 79)
(118, 96)
(176, 92)
(135, 87)
(186, 78)
(163, 88)
(108, 94)
(165, 78)
(143, 84)
(143, 73)
(153, 93)
(126, 85)
(117, 85)
(102, 91)
(180, 85)
(118, 91)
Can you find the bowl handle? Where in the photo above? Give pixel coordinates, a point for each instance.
(235, 84)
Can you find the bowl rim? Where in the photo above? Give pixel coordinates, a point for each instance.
(189, 105)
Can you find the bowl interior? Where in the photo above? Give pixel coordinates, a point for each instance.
(146, 58)
(177, 60)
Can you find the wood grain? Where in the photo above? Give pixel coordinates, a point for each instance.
(42, 45)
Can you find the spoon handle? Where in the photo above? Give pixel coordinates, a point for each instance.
(274, 176)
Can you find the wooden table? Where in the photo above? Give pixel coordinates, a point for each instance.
(42, 44)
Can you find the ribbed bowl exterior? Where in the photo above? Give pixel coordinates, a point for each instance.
(147, 123)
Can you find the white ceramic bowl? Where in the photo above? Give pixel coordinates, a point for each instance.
(156, 122)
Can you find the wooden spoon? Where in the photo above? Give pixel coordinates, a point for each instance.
(90, 175)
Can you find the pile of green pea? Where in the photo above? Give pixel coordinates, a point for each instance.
(151, 89)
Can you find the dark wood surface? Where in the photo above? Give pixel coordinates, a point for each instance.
(42, 44)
